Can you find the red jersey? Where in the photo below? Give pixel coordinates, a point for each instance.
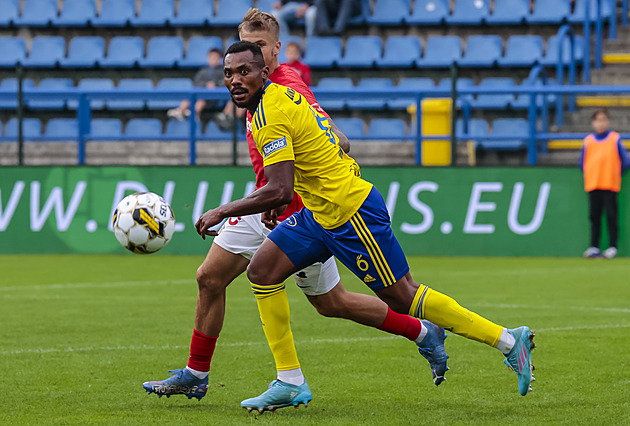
(303, 71)
(285, 76)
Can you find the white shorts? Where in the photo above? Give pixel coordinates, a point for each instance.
(245, 234)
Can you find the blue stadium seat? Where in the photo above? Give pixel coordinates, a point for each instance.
(509, 12)
(105, 129)
(176, 129)
(169, 84)
(579, 11)
(553, 50)
(494, 101)
(51, 84)
(428, 12)
(9, 12)
(62, 129)
(351, 127)
(12, 51)
(322, 52)
(477, 127)
(265, 5)
(38, 13)
(214, 133)
(441, 52)
(93, 84)
(163, 52)
(154, 13)
(361, 52)
(482, 51)
(143, 128)
(400, 52)
(31, 128)
(123, 52)
(462, 83)
(550, 12)
(84, 52)
(76, 13)
(12, 84)
(522, 101)
(386, 128)
(198, 48)
(389, 12)
(282, 57)
(382, 84)
(46, 52)
(515, 130)
(334, 83)
(469, 12)
(522, 51)
(230, 12)
(194, 13)
(410, 83)
(130, 84)
(115, 13)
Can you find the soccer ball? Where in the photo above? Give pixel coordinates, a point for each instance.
(143, 222)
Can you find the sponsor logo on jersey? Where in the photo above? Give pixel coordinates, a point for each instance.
(290, 93)
(249, 125)
(274, 146)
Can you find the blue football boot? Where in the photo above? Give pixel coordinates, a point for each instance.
(432, 348)
(279, 394)
(181, 382)
(520, 358)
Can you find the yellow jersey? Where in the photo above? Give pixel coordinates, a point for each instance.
(286, 128)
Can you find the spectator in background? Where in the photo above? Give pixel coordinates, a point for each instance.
(332, 16)
(288, 12)
(603, 159)
(209, 77)
(292, 52)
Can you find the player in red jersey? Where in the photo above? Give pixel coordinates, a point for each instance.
(236, 243)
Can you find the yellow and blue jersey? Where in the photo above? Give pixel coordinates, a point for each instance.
(286, 128)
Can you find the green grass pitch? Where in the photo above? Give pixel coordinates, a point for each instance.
(79, 335)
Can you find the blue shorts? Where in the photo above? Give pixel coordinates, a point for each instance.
(365, 244)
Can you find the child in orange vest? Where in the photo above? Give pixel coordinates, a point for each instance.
(603, 159)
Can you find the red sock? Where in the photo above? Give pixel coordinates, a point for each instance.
(403, 325)
(201, 350)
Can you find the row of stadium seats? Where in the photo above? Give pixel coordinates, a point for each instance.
(158, 13)
(482, 101)
(439, 52)
(321, 52)
(66, 129)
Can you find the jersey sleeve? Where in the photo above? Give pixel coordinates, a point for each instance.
(275, 141)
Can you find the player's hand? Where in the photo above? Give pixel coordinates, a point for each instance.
(208, 220)
(270, 218)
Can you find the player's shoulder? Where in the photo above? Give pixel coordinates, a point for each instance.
(287, 76)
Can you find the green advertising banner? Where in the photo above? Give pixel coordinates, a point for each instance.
(443, 211)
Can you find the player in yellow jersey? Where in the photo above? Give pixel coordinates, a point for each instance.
(344, 215)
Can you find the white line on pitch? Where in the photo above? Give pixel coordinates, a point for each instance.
(95, 284)
(554, 307)
(240, 344)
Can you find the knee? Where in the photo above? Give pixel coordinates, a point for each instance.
(210, 282)
(331, 308)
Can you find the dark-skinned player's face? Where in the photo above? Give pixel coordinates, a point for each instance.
(244, 78)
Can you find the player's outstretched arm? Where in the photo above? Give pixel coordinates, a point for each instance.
(344, 142)
(277, 192)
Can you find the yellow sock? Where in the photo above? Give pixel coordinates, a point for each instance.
(447, 313)
(273, 306)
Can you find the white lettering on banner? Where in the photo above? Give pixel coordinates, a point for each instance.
(475, 205)
(392, 196)
(539, 212)
(14, 199)
(169, 190)
(55, 200)
(200, 199)
(419, 206)
(121, 188)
